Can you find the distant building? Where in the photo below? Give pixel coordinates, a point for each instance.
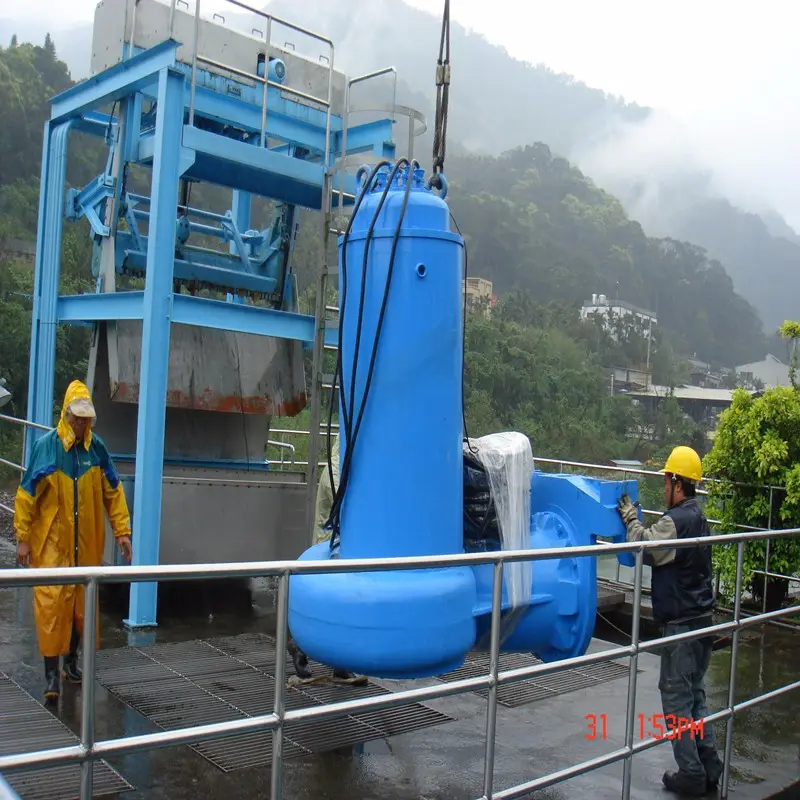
(479, 294)
(700, 374)
(628, 379)
(771, 372)
(600, 305)
(703, 405)
(612, 312)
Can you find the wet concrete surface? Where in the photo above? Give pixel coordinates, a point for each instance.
(440, 763)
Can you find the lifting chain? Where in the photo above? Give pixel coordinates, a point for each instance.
(442, 98)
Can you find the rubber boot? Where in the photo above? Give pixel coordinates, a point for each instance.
(713, 767)
(300, 661)
(52, 688)
(681, 784)
(71, 671)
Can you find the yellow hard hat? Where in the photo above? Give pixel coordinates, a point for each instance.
(685, 463)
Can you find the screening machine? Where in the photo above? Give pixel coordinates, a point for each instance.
(404, 470)
(197, 337)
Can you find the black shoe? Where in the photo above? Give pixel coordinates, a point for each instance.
(52, 685)
(713, 773)
(343, 674)
(679, 783)
(300, 660)
(71, 671)
(350, 677)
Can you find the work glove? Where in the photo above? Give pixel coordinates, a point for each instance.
(627, 510)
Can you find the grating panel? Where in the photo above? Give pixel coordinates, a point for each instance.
(27, 725)
(212, 680)
(523, 692)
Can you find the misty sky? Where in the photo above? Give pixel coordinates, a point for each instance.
(727, 70)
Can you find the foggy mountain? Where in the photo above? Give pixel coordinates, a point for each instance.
(498, 103)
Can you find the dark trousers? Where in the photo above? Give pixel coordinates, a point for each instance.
(683, 697)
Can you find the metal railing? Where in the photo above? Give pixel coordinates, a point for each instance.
(264, 81)
(89, 749)
(293, 462)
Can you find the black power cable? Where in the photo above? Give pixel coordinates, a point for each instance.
(342, 305)
(365, 261)
(353, 431)
(464, 338)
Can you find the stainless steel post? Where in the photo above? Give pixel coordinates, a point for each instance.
(766, 558)
(194, 60)
(630, 710)
(268, 39)
(280, 685)
(737, 615)
(87, 686)
(494, 666)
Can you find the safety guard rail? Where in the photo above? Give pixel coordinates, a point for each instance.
(281, 445)
(647, 473)
(264, 81)
(90, 749)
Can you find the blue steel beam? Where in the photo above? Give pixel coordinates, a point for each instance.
(286, 119)
(123, 79)
(240, 318)
(188, 310)
(95, 123)
(44, 317)
(157, 307)
(100, 307)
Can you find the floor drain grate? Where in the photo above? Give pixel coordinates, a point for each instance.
(179, 684)
(523, 692)
(27, 725)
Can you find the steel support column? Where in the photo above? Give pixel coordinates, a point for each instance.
(44, 318)
(241, 209)
(157, 309)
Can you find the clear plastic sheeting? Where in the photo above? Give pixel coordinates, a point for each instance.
(507, 459)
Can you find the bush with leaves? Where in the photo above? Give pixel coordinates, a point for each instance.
(758, 444)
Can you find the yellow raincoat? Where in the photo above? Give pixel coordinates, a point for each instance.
(61, 475)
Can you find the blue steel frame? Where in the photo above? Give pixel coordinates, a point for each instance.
(174, 150)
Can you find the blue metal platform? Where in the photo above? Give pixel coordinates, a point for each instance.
(196, 122)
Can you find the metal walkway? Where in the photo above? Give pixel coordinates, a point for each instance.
(26, 725)
(212, 680)
(514, 695)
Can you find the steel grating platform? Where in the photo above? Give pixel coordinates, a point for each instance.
(201, 681)
(520, 693)
(26, 725)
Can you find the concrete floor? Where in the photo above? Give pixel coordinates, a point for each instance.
(445, 762)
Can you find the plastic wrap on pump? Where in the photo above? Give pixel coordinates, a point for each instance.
(497, 503)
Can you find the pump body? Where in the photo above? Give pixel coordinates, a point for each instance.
(404, 493)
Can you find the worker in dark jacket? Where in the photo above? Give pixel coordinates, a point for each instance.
(682, 601)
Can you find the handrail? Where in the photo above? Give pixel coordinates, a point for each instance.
(607, 468)
(652, 473)
(90, 750)
(326, 102)
(25, 423)
(283, 446)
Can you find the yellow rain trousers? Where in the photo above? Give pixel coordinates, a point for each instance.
(61, 504)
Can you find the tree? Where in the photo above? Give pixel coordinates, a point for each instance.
(791, 331)
(757, 445)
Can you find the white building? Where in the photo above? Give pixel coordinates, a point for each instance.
(771, 372)
(611, 310)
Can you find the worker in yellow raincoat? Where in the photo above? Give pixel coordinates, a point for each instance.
(68, 487)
